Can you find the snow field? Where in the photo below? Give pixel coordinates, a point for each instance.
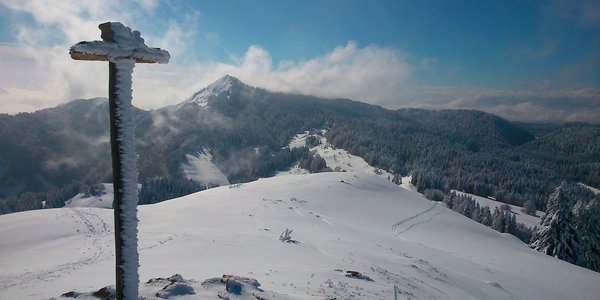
(103, 200)
(200, 168)
(529, 220)
(222, 85)
(338, 160)
(342, 221)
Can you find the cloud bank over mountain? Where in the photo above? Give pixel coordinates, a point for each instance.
(39, 73)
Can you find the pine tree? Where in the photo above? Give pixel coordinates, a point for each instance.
(449, 200)
(486, 218)
(397, 179)
(511, 223)
(498, 220)
(529, 207)
(588, 224)
(557, 235)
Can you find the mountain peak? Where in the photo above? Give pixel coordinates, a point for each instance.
(222, 85)
(225, 81)
(229, 78)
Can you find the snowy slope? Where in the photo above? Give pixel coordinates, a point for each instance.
(406, 184)
(342, 221)
(103, 200)
(200, 168)
(529, 220)
(337, 159)
(593, 189)
(223, 85)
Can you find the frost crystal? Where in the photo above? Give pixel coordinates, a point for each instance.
(126, 133)
(126, 44)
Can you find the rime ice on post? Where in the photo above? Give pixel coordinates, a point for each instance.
(122, 48)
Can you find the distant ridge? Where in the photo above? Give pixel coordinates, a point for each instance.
(60, 151)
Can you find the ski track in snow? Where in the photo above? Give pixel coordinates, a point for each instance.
(423, 217)
(161, 242)
(95, 231)
(409, 286)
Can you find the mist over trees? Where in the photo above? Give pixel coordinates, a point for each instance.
(54, 198)
(51, 155)
(248, 128)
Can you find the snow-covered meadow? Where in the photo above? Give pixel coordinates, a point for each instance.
(350, 221)
(528, 220)
(337, 159)
(199, 167)
(102, 199)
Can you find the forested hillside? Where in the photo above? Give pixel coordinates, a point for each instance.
(65, 149)
(474, 152)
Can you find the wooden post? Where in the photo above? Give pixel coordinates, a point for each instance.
(117, 176)
(122, 56)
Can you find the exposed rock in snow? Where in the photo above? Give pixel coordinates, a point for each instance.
(173, 286)
(176, 287)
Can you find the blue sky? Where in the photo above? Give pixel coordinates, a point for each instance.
(525, 60)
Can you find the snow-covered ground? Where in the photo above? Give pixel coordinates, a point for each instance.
(103, 200)
(341, 221)
(593, 189)
(338, 160)
(407, 185)
(223, 85)
(200, 168)
(528, 220)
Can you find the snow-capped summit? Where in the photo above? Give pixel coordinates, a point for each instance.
(223, 85)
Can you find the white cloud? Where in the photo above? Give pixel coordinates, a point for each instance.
(539, 102)
(148, 4)
(372, 74)
(66, 21)
(34, 78)
(37, 72)
(427, 63)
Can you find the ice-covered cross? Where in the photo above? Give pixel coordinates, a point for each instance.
(122, 48)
